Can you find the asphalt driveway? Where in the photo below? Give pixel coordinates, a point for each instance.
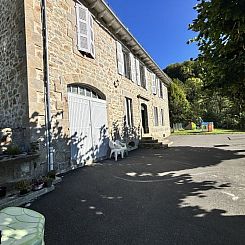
(191, 193)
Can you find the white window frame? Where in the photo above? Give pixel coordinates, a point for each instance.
(156, 119)
(129, 112)
(154, 87)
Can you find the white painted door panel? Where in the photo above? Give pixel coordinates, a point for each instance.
(99, 128)
(80, 128)
(88, 128)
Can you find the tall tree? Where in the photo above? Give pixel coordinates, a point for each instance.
(220, 25)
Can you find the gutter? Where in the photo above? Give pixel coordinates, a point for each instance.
(50, 151)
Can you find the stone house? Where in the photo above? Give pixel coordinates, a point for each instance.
(72, 72)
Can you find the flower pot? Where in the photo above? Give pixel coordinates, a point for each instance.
(3, 191)
(48, 183)
(37, 187)
(24, 192)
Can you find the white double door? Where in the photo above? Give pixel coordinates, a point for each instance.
(88, 128)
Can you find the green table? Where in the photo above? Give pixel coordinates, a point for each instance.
(21, 226)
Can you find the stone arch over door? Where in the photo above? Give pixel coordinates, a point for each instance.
(88, 123)
(144, 118)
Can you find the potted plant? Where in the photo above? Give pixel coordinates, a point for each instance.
(37, 184)
(23, 186)
(47, 181)
(13, 150)
(51, 174)
(3, 191)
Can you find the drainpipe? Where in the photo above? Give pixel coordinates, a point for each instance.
(50, 158)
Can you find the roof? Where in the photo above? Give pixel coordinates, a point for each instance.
(108, 18)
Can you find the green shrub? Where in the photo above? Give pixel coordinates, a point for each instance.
(13, 150)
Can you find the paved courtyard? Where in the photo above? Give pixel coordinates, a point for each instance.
(191, 193)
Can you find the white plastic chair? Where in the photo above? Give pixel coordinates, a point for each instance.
(117, 148)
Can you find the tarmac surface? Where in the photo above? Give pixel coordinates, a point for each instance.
(191, 193)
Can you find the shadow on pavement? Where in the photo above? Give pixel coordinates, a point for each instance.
(142, 200)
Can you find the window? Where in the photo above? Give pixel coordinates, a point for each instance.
(126, 59)
(160, 89)
(85, 33)
(129, 112)
(154, 86)
(88, 92)
(155, 116)
(142, 76)
(162, 117)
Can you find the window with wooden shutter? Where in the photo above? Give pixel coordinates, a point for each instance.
(146, 78)
(155, 111)
(82, 28)
(133, 68)
(85, 33)
(160, 89)
(129, 112)
(120, 59)
(91, 31)
(154, 87)
(162, 117)
(137, 64)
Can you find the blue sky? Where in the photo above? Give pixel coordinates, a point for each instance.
(160, 26)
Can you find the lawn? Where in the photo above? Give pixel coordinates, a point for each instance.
(215, 131)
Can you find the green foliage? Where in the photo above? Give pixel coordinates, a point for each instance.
(51, 174)
(190, 99)
(23, 185)
(13, 150)
(220, 25)
(179, 106)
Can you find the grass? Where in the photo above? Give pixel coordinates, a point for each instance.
(200, 132)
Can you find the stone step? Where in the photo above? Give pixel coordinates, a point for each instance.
(148, 141)
(148, 145)
(147, 138)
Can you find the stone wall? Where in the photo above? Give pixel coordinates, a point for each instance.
(68, 65)
(13, 74)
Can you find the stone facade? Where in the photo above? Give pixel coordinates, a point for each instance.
(13, 76)
(69, 66)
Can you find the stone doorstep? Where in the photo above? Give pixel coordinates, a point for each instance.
(15, 201)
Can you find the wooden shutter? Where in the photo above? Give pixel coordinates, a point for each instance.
(158, 87)
(91, 32)
(120, 59)
(137, 64)
(83, 33)
(154, 89)
(133, 68)
(146, 78)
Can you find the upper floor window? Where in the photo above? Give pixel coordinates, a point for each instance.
(154, 84)
(160, 89)
(85, 33)
(127, 67)
(142, 76)
(130, 67)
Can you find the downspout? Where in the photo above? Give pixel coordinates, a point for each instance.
(50, 159)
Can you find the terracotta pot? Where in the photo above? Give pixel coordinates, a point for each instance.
(3, 191)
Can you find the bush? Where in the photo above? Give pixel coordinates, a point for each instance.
(13, 150)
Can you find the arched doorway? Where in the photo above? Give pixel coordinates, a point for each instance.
(88, 123)
(144, 118)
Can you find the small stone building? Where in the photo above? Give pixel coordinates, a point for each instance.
(102, 83)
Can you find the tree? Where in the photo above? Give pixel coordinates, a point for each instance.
(220, 25)
(188, 84)
(179, 107)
